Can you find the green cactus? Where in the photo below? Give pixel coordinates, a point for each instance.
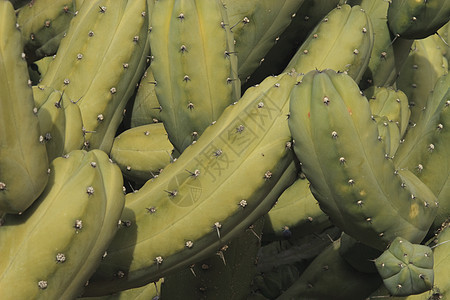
(280, 263)
(23, 157)
(441, 268)
(43, 24)
(425, 150)
(142, 152)
(329, 276)
(97, 67)
(215, 189)
(150, 291)
(406, 268)
(146, 107)
(444, 34)
(257, 25)
(417, 19)
(388, 53)
(194, 65)
(310, 13)
(393, 104)
(344, 158)
(357, 254)
(342, 41)
(60, 123)
(226, 275)
(295, 214)
(76, 216)
(423, 67)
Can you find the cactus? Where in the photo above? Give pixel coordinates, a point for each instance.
(142, 152)
(280, 263)
(23, 158)
(257, 25)
(389, 52)
(150, 291)
(412, 19)
(406, 268)
(295, 214)
(43, 24)
(99, 87)
(424, 65)
(310, 13)
(338, 144)
(342, 41)
(393, 104)
(235, 172)
(329, 276)
(146, 107)
(425, 150)
(226, 275)
(79, 209)
(196, 77)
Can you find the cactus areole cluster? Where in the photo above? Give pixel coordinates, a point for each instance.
(224, 149)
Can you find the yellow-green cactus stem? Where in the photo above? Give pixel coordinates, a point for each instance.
(43, 24)
(329, 276)
(215, 189)
(23, 157)
(389, 52)
(343, 156)
(295, 214)
(257, 25)
(98, 64)
(417, 19)
(52, 249)
(146, 107)
(342, 41)
(391, 103)
(422, 69)
(194, 65)
(406, 268)
(142, 152)
(309, 14)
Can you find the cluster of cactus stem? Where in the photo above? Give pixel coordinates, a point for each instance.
(224, 149)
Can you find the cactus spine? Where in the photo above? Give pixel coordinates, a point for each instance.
(23, 157)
